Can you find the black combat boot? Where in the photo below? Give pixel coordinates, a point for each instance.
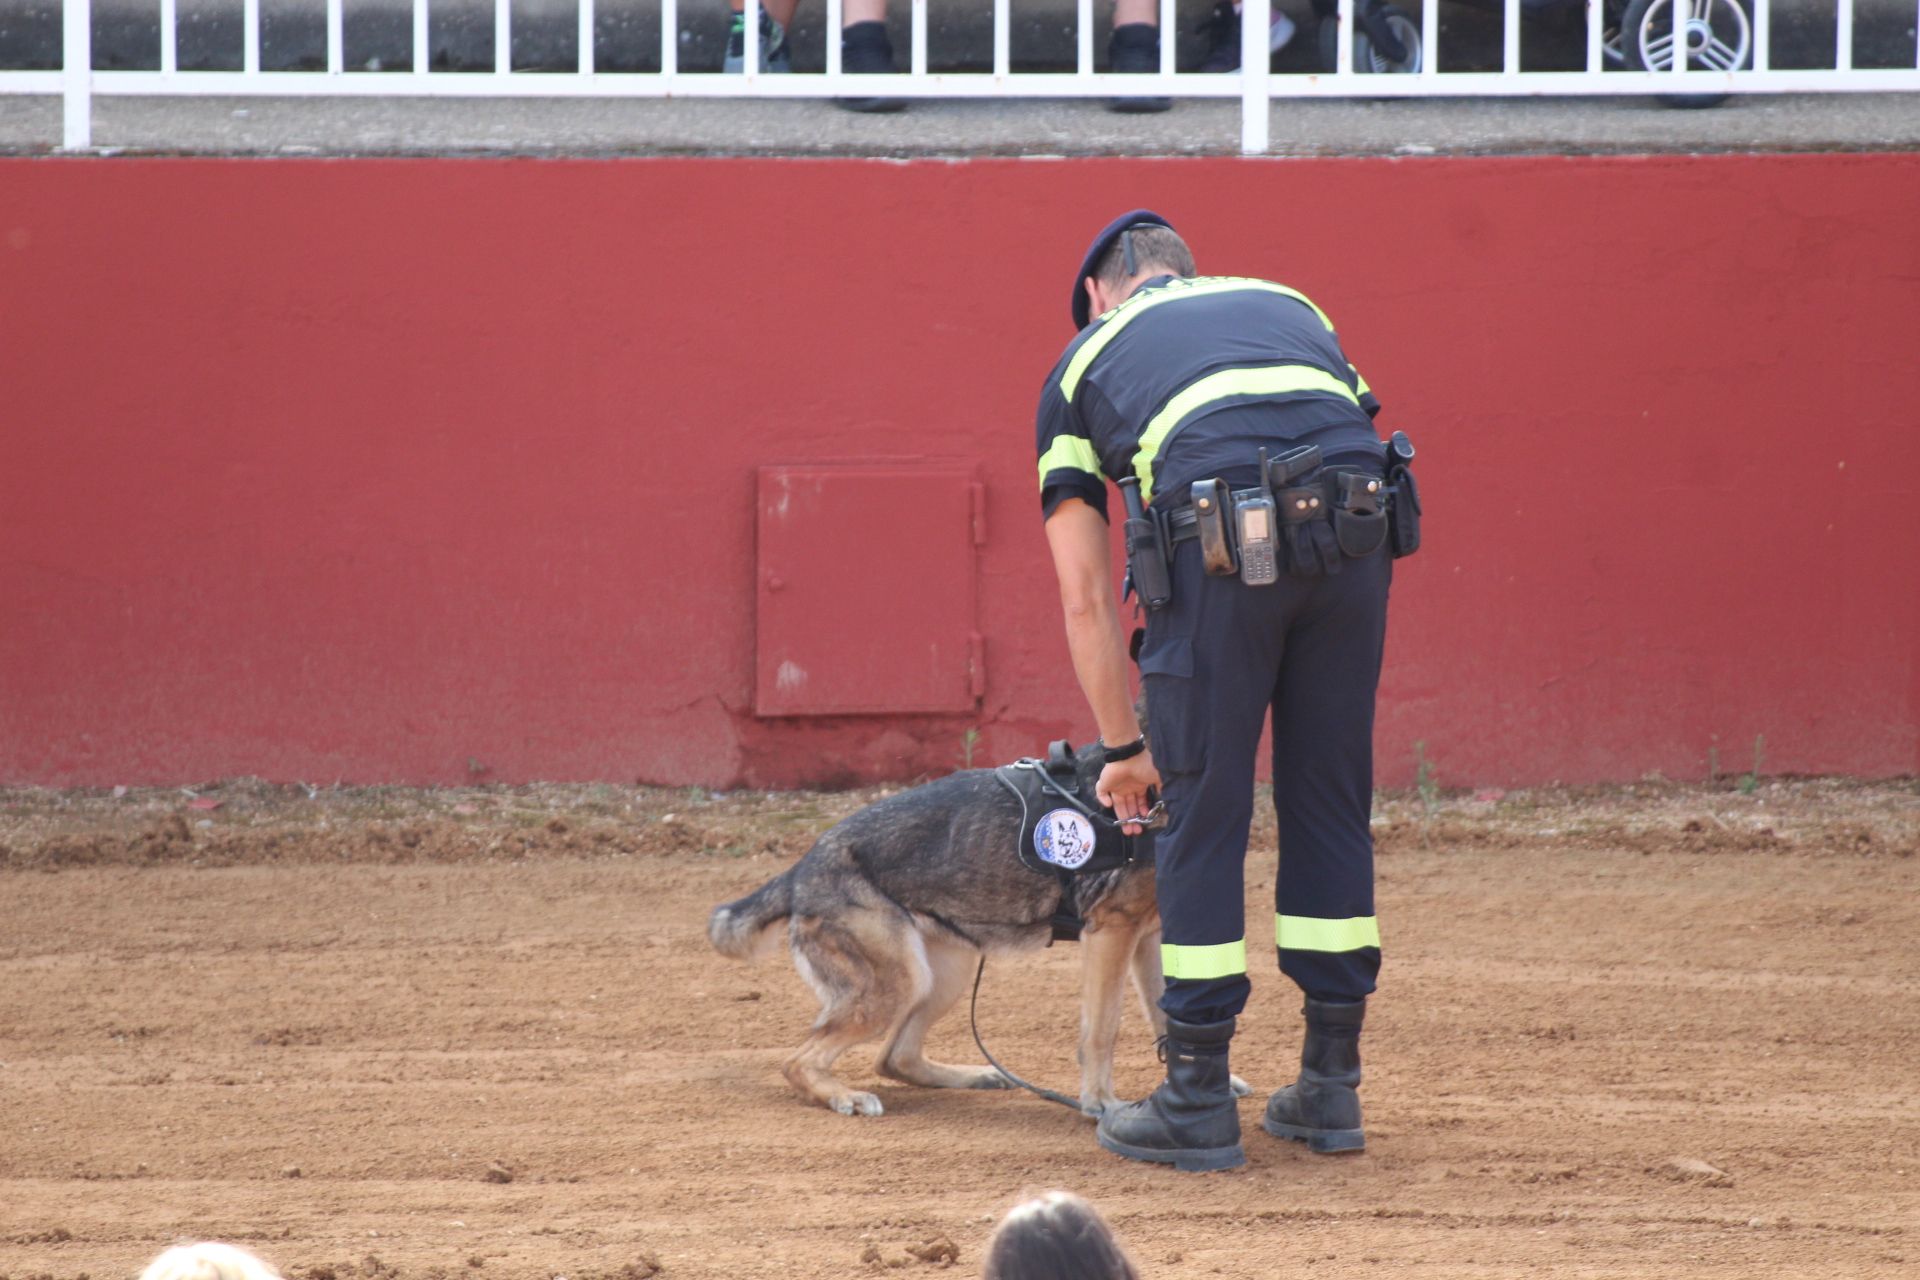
(1322, 1107)
(1190, 1121)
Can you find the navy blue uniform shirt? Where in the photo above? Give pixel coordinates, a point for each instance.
(1189, 378)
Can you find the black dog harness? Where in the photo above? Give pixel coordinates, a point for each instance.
(1064, 836)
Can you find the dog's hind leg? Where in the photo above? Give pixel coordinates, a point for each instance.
(946, 968)
(1104, 956)
(853, 966)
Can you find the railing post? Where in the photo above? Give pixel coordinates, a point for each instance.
(76, 78)
(1255, 59)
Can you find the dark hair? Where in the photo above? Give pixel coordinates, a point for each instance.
(1057, 1236)
(1153, 246)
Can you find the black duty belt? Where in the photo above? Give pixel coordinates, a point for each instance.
(1314, 497)
(1299, 517)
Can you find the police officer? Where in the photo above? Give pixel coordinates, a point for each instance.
(1182, 381)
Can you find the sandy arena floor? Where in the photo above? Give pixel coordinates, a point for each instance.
(389, 1035)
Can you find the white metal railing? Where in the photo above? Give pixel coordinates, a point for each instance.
(1255, 86)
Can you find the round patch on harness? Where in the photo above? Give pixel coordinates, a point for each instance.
(1064, 837)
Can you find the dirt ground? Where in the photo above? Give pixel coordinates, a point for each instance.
(401, 1035)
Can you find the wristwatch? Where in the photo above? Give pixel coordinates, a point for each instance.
(1128, 751)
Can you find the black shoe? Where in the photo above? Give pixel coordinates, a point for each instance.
(1134, 49)
(866, 51)
(1222, 30)
(1190, 1121)
(1322, 1107)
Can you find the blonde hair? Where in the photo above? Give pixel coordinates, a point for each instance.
(208, 1261)
(1057, 1236)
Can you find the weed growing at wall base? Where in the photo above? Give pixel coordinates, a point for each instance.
(1751, 780)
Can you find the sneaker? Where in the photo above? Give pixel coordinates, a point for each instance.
(775, 55)
(1134, 49)
(1222, 30)
(865, 50)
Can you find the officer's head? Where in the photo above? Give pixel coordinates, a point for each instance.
(1134, 247)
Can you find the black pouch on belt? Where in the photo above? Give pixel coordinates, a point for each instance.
(1311, 549)
(1360, 516)
(1403, 495)
(1210, 522)
(1404, 512)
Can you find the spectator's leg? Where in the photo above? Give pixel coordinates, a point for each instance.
(866, 50)
(1134, 48)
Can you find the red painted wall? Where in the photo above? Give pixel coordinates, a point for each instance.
(422, 470)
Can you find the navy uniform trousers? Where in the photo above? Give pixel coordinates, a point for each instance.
(1213, 662)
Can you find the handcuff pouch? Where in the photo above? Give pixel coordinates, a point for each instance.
(1360, 516)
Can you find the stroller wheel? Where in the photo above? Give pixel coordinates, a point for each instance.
(1716, 35)
(1367, 56)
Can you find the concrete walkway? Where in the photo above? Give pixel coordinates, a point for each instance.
(641, 127)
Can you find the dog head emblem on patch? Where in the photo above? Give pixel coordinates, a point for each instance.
(1064, 837)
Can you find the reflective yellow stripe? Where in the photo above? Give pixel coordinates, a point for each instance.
(1069, 453)
(1222, 960)
(1271, 380)
(1311, 933)
(1199, 287)
(1360, 382)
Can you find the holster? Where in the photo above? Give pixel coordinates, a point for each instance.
(1148, 571)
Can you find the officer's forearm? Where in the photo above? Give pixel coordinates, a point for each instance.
(1100, 662)
(1078, 537)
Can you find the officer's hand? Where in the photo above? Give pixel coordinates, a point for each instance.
(1123, 787)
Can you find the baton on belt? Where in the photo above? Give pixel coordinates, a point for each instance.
(1146, 554)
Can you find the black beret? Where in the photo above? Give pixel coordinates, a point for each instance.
(1101, 243)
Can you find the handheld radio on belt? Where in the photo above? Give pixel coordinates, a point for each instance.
(1253, 526)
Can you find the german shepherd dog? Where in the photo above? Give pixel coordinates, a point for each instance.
(888, 915)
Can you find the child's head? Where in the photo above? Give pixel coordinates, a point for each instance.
(1057, 1236)
(208, 1261)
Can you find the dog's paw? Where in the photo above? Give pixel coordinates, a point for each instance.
(856, 1104)
(990, 1079)
(1241, 1088)
(1093, 1108)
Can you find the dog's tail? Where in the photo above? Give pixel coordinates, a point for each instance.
(740, 929)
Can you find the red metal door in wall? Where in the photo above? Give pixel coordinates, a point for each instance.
(866, 590)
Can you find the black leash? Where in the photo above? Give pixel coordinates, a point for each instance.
(973, 1016)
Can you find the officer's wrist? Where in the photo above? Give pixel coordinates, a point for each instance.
(1124, 751)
